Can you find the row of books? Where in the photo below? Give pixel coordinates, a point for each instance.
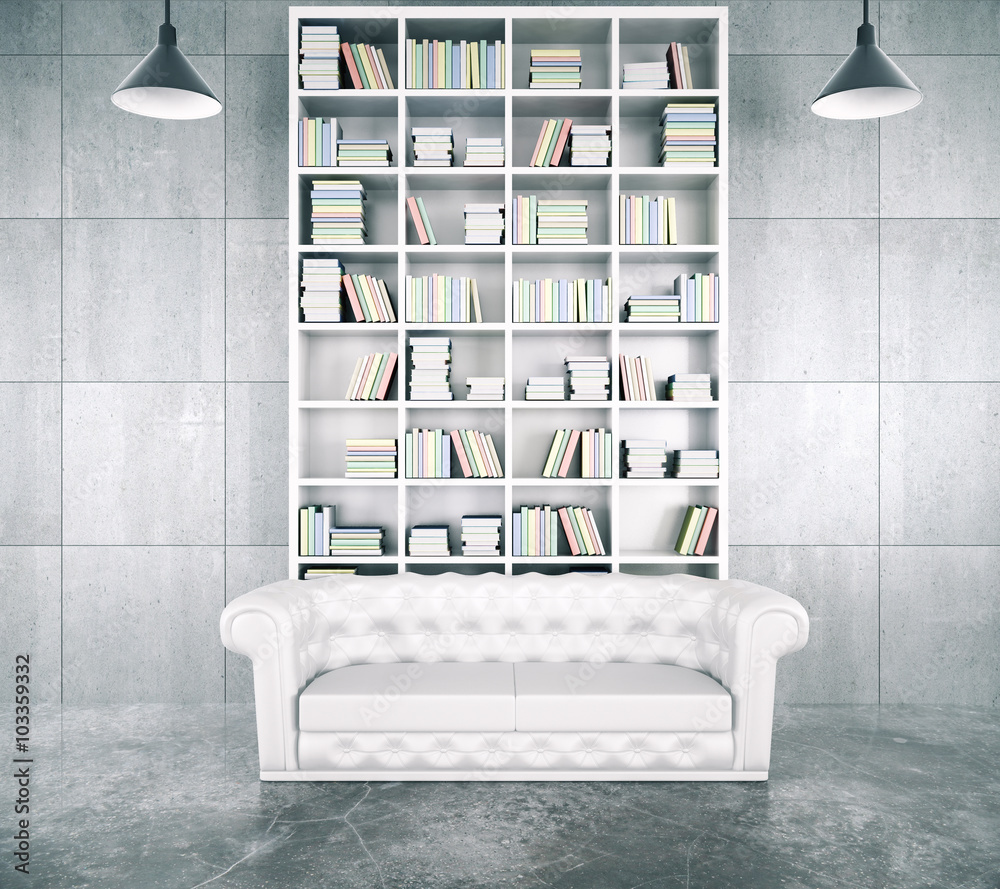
(477, 454)
(535, 531)
(320, 282)
(484, 151)
(372, 377)
(481, 535)
(552, 68)
(549, 220)
(338, 211)
(358, 541)
(689, 387)
(545, 389)
(687, 135)
(366, 67)
(589, 377)
(319, 535)
(433, 146)
(430, 369)
(695, 464)
(319, 57)
(318, 137)
(484, 223)
(645, 75)
(696, 530)
(442, 299)
(595, 453)
(552, 139)
(427, 453)
(590, 145)
(647, 220)
(699, 296)
(315, 573)
(429, 540)
(455, 64)
(485, 388)
(679, 66)
(420, 220)
(369, 299)
(371, 458)
(363, 153)
(644, 458)
(646, 309)
(636, 378)
(581, 299)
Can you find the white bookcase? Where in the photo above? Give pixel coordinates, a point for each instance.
(638, 519)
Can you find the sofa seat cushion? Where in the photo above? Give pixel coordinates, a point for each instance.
(581, 697)
(458, 697)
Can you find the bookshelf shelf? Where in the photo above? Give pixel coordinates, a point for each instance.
(643, 514)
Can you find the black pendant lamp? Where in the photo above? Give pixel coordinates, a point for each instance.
(868, 83)
(165, 84)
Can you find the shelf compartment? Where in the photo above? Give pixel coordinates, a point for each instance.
(455, 565)
(372, 118)
(357, 506)
(564, 28)
(533, 433)
(647, 40)
(431, 504)
(530, 266)
(379, 264)
(487, 420)
(445, 196)
(697, 354)
(553, 183)
(705, 567)
(326, 364)
(467, 115)
(536, 356)
(640, 132)
(323, 434)
(697, 200)
(650, 519)
(594, 497)
(379, 31)
(654, 273)
(486, 267)
(380, 207)
(680, 429)
(530, 112)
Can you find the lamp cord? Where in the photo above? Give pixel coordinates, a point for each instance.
(166, 11)
(866, 10)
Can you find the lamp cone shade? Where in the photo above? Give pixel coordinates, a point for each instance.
(868, 84)
(165, 84)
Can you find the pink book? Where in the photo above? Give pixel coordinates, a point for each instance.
(352, 67)
(418, 223)
(353, 297)
(383, 386)
(623, 370)
(359, 386)
(538, 144)
(373, 61)
(561, 142)
(570, 450)
(594, 536)
(568, 529)
(460, 450)
(706, 529)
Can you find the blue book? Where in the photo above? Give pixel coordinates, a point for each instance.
(692, 303)
(318, 546)
(326, 141)
(491, 82)
(516, 533)
(456, 66)
(456, 300)
(598, 300)
(302, 145)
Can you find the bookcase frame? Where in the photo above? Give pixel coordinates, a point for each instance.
(638, 518)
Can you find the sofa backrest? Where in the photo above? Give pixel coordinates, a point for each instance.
(671, 619)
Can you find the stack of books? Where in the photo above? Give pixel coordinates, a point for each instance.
(320, 283)
(363, 153)
(430, 368)
(595, 453)
(477, 455)
(647, 220)
(433, 146)
(589, 377)
(429, 540)
(371, 458)
(369, 299)
(688, 135)
(319, 57)
(652, 308)
(551, 300)
(699, 296)
(367, 67)
(442, 299)
(551, 142)
(455, 64)
(581, 531)
(545, 389)
(338, 211)
(637, 378)
(318, 138)
(696, 530)
(535, 531)
(427, 454)
(645, 76)
(484, 223)
(689, 387)
(362, 541)
(484, 151)
(421, 222)
(485, 388)
(481, 535)
(372, 377)
(316, 573)
(679, 66)
(590, 145)
(644, 458)
(555, 69)
(695, 464)
(549, 221)
(315, 523)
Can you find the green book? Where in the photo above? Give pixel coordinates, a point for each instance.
(360, 65)
(696, 532)
(533, 219)
(550, 148)
(426, 221)
(408, 445)
(482, 65)
(552, 461)
(447, 63)
(684, 537)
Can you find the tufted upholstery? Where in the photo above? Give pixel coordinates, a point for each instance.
(295, 630)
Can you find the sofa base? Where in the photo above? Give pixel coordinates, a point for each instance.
(532, 775)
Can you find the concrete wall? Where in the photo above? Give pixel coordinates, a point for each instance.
(143, 368)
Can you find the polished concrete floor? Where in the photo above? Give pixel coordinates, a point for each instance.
(168, 796)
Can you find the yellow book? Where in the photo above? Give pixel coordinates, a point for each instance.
(474, 63)
(532, 531)
(373, 375)
(369, 71)
(588, 542)
(426, 63)
(476, 454)
(304, 531)
(622, 218)
(671, 221)
(310, 139)
(441, 65)
(361, 285)
(550, 126)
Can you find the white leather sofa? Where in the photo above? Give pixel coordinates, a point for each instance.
(530, 677)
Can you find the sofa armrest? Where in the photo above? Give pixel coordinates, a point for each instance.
(273, 626)
(754, 627)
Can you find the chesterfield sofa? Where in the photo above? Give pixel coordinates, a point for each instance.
(526, 677)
